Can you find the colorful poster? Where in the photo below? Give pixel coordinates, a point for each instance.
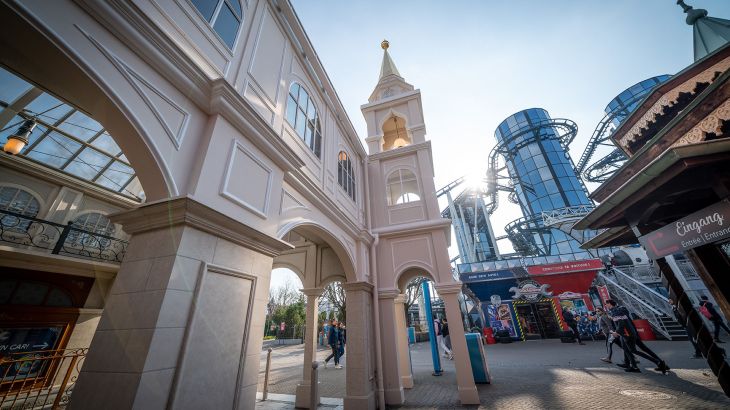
(500, 318)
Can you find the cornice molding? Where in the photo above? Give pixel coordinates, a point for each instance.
(448, 288)
(188, 212)
(388, 293)
(397, 152)
(56, 177)
(358, 286)
(315, 292)
(390, 101)
(413, 228)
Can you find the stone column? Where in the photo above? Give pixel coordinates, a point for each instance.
(468, 393)
(389, 338)
(360, 393)
(183, 325)
(310, 347)
(404, 357)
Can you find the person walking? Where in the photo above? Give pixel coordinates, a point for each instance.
(708, 310)
(569, 318)
(675, 310)
(333, 339)
(605, 325)
(630, 341)
(437, 328)
(446, 340)
(343, 339)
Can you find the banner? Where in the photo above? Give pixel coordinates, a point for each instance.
(603, 293)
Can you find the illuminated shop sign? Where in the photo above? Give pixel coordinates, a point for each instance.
(702, 227)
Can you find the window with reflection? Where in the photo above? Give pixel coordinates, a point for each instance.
(402, 187)
(345, 174)
(17, 201)
(91, 230)
(224, 15)
(301, 114)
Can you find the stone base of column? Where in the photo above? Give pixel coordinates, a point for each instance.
(394, 396)
(469, 395)
(360, 402)
(407, 381)
(302, 397)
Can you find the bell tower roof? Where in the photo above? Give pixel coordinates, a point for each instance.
(388, 67)
(390, 82)
(710, 33)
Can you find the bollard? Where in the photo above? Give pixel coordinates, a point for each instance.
(266, 374)
(314, 387)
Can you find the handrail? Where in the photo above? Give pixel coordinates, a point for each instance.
(648, 306)
(643, 287)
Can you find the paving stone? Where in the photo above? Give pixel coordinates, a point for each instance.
(543, 374)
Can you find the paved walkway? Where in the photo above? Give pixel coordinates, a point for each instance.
(537, 375)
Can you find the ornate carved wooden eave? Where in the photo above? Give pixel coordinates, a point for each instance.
(667, 108)
(705, 118)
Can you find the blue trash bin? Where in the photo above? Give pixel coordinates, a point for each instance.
(478, 360)
(411, 335)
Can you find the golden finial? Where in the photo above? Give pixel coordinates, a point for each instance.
(384, 44)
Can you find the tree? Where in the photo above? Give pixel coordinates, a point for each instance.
(335, 295)
(283, 295)
(413, 291)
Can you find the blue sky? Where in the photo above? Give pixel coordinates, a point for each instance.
(477, 62)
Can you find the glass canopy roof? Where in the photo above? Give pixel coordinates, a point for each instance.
(65, 138)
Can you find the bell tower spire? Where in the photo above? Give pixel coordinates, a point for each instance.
(394, 113)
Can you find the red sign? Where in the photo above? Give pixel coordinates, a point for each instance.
(563, 267)
(603, 293)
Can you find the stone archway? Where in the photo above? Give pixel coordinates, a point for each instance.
(323, 259)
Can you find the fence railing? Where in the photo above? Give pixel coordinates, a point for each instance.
(635, 304)
(642, 273)
(58, 239)
(43, 379)
(688, 270)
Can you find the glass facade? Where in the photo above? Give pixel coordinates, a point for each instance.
(473, 233)
(627, 101)
(543, 176)
(65, 138)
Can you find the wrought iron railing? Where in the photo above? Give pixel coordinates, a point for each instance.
(33, 233)
(42, 379)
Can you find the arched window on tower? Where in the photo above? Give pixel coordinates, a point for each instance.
(224, 15)
(302, 116)
(402, 187)
(345, 174)
(395, 134)
(20, 202)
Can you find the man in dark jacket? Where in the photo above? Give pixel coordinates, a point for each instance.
(630, 340)
(572, 324)
(333, 340)
(715, 318)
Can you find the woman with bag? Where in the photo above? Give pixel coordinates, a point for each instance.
(708, 310)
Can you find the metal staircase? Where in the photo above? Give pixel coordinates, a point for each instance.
(644, 302)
